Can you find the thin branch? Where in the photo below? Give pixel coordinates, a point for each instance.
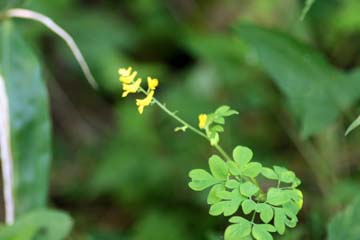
(28, 14)
(6, 155)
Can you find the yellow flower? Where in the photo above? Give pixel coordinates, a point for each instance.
(126, 76)
(131, 88)
(202, 120)
(152, 83)
(124, 71)
(141, 103)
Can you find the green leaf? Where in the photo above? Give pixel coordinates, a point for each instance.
(201, 179)
(232, 183)
(353, 125)
(44, 224)
(285, 175)
(222, 110)
(260, 232)
(214, 138)
(228, 207)
(345, 225)
(296, 182)
(225, 195)
(316, 92)
(251, 169)
(269, 173)
(225, 111)
(217, 128)
(239, 230)
(28, 113)
(237, 219)
(248, 189)
(279, 220)
(213, 194)
(219, 120)
(242, 155)
(277, 197)
(218, 167)
(234, 168)
(266, 212)
(248, 206)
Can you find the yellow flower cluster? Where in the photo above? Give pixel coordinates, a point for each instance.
(130, 85)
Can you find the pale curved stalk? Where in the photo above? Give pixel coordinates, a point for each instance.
(48, 22)
(6, 155)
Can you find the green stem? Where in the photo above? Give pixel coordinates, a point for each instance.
(173, 115)
(195, 130)
(253, 217)
(222, 152)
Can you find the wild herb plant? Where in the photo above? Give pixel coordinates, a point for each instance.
(254, 211)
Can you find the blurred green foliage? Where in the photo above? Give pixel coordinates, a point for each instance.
(124, 176)
(40, 225)
(30, 120)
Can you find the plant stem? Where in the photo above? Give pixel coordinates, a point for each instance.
(6, 156)
(195, 130)
(173, 115)
(222, 152)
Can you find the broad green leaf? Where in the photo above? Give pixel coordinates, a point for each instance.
(39, 224)
(201, 179)
(251, 169)
(269, 173)
(345, 225)
(242, 155)
(277, 197)
(279, 220)
(316, 92)
(260, 232)
(239, 230)
(213, 194)
(248, 189)
(266, 212)
(218, 167)
(29, 120)
(248, 206)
